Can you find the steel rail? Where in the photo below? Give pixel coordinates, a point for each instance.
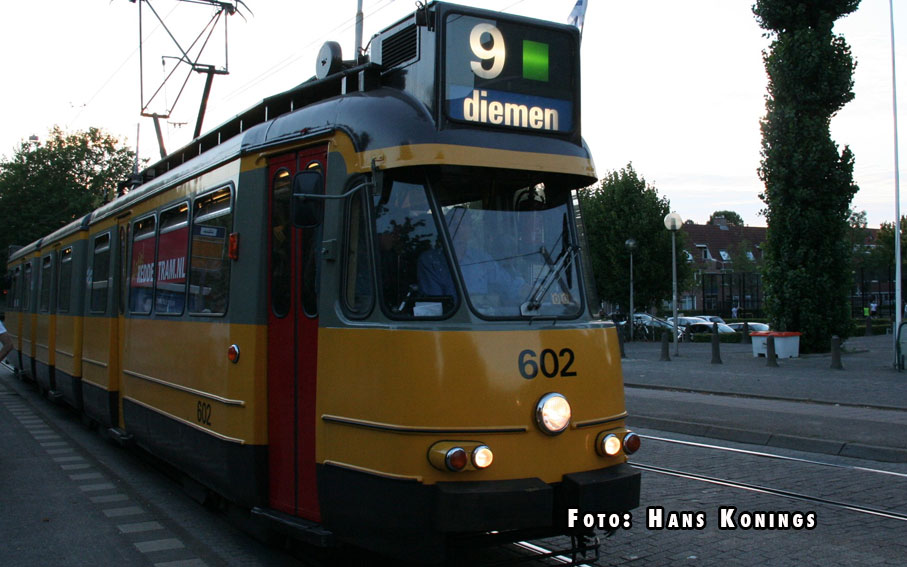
(772, 491)
(771, 455)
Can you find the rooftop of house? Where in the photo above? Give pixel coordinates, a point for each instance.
(720, 240)
(717, 242)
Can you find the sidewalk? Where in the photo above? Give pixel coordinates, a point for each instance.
(860, 411)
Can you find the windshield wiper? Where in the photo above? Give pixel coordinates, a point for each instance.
(555, 269)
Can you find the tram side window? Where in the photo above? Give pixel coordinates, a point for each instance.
(141, 276)
(416, 279)
(209, 272)
(26, 301)
(357, 279)
(46, 282)
(100, 273)
(172, 245)
(65, 287)
(14, 290)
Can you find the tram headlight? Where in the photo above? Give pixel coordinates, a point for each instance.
(460, 456)
(610, 444)
(482, 457)
(553, 413)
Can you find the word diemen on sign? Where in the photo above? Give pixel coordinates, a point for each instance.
(477, 108)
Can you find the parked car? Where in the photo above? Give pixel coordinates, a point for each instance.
(645, 326)
(686, 321)
(706, 327)
(753, 326)
(713, 319)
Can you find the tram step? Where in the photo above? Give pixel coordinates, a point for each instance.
(120, 437)
(297, 528)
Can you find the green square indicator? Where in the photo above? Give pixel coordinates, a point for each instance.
(535, 60)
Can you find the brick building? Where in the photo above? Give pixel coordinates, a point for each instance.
(725, 260)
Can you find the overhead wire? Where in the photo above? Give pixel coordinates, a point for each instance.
(116, 72)
(303, 52)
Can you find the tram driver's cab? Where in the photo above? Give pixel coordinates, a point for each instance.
(502, 240)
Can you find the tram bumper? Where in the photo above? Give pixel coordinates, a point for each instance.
(531, 503)
(615, 489)
(367, 508)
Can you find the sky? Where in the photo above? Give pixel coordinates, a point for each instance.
(675, 87)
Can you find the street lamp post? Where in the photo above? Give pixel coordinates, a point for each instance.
(631, 244)
(897, 188)
(673, 222)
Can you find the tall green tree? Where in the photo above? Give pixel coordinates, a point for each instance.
(622, 206)
(882, 256)
(45, 186)
(808, 181)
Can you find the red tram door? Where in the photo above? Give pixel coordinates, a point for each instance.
(292, 342)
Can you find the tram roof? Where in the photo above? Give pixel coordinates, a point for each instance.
(376, 105)
(398, 55)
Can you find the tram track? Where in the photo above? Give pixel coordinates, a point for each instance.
(772, 491)
(769, 490)
(770, 455)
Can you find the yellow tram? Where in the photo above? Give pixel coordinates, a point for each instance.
(359, 308)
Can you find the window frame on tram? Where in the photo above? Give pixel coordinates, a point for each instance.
(357, 277)
(28, 281)
(170, 221)
(407, 302)
(143, 229)
(64, 283)
(213, 195)
(14, 290)
(99, 289)
(45, 292)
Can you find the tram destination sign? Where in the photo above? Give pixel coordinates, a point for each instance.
(510, 74)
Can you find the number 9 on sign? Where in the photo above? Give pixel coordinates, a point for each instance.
(493, 51)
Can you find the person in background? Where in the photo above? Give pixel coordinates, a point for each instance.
(6, 343)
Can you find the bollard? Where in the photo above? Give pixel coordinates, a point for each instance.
(746, 333)
(869, 326)
(836, 353)
(770, 358)
(665, 357)
(620, 341)
(716, 349)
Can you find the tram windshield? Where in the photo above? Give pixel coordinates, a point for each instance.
(503, 239)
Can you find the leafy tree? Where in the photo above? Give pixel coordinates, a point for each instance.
(883, 253)
(857, 233)
(808, 182)
(43, 187)
(730, 216)
(621, 206)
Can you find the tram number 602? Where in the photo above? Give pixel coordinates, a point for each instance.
(548, 362)
(203, 413)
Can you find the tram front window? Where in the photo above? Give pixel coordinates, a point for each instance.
(509, 238)
(513, 242)
(414, 271)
